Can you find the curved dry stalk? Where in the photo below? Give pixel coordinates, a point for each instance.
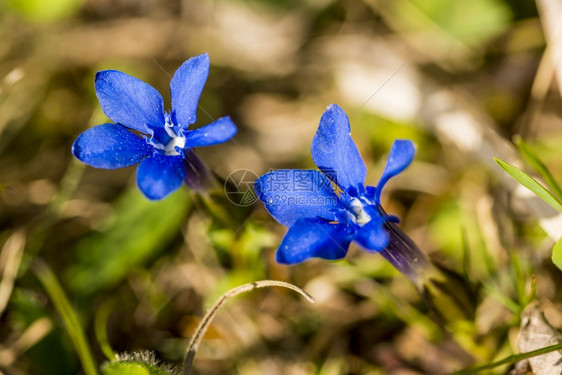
(208, 318)
(550, 12)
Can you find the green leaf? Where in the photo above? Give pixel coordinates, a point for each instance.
(143, 362)
(131, 368)
(45, 11)
(538, 165)
(557, 254)
(139, 232)
(471, 22)
(531, 184)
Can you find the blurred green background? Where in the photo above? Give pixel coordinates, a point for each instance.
(459, 78)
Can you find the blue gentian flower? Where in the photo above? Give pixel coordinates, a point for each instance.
(144, 133)
(326, 211)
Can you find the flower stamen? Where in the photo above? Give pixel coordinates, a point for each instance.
(172, 147)
(361, 216)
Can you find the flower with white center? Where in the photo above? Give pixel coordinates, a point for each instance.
(322, 221)
(160, 141)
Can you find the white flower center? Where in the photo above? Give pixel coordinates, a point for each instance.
(170, 148)
(361, 217)
(175, 139)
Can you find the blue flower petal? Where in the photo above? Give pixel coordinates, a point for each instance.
(160, 175)
(400, 157)
(335, 153)
(370, 193)
(216, 132)
(292, 194)
(185, 88)
(372, 236)
(129, 101)
(309, 238)
(110, 146)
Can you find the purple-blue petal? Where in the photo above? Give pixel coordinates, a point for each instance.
(293, 194)
(372, 236)
(186, 87)
(335, 153)
(110, 146)
(400, 157)
(313, 238)
(198, 176)
(129, 101)
(159, 175)
(216, 132)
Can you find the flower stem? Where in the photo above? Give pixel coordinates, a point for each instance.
(446, 293)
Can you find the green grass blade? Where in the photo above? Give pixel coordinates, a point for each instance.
(100, 326)
(538, 165)
(59, 299)
(509, 360)
(557, 254)
(503, 299)
(531, 184)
